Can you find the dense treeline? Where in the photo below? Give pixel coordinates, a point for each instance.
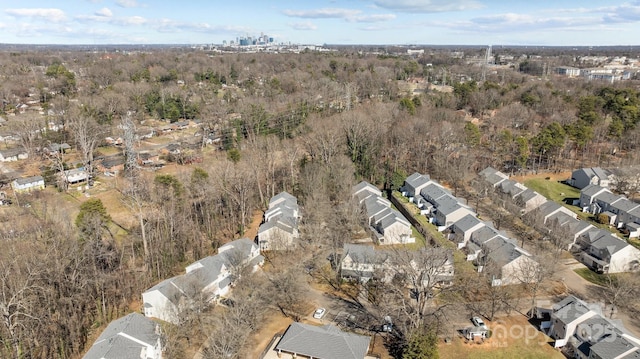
(311, 124)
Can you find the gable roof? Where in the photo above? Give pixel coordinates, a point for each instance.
(548, 208)
(614, 348)
(569, 309)
(610, 244)
(283, 196)
(125, 337)
(433, 191)
(393, 217)
(502, 251)
(608, 198)
(112, 161)
(417, 180)
(484, 234)
(561, 219)
(492, 171)
(326, 342)
(280, 223)
(467, 223)
(601, 173)
(512, 188)
(624, 205)
(27, 180)
(592, 190)
(170, 288)
(361, 253)
(365, 186)
(594, 234)
(375, 204)
(577, 226)
(12, 152)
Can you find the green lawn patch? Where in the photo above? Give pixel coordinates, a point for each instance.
(634, 242)
(591, 276)
(553, 190)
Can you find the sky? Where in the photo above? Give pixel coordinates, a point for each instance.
(402, 22)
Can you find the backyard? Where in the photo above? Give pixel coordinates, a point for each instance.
(512, 337)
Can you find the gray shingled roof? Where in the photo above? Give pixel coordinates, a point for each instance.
(326, 342)
(608, 198)
(281, 210)
(624, 205)
(374, 205)
(490, 171)
(592, 189)
(433, 191)
(598, 327)
(169, 289)
(548, 208)
(578, 226)
(501, 251)
(570, 309)
(529, 194)
(12, 152)
(484, 234)
(601, 173)
(279, 223)
(511, 187)
(467, 222)
(27, 180)
(609, 245)
(366, 186)
(393, 217)
(494, 179)
(113, 342)
(416, 180)
(283, 196)
(560, 218)
(612, 348)
(360, 253)
(446, 199)
(594, 234)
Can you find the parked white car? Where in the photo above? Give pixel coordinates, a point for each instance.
(478, 322)
(319, 313)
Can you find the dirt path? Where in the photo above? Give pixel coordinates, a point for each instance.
(256, 220)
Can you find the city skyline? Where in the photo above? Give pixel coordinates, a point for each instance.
(404, 22)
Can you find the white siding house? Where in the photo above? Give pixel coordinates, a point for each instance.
(28, 184)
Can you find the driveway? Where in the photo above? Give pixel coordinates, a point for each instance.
(584, 290)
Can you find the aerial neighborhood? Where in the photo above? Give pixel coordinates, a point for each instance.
(267, 199)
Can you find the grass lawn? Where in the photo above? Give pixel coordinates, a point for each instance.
(634, 242)
(459, 349)
(513, 337)
(591, 276)
(553, 190)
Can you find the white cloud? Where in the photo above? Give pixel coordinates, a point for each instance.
(428, 6)
(127, 3)
(305, 26)
(104, 12)
(131, 20)
(350, 15)
(372, 18)
(520, 23)
(54, 15)
(325, 13)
